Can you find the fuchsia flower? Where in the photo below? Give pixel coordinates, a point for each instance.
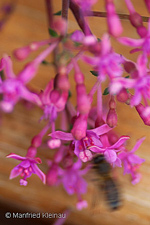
(25, 169)
(132, 162)
(52, 101)
(142, 82)
(114, 24)
(143, 44)
(110, 151)
(72, 180)
(108, 62)
(82, 146)
(12, 88)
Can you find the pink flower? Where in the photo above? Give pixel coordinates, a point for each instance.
(26, 168)
(52, 101)
(114, 24)
(12, 88)
(108, 62)
(110, 151)
(132, 162)
(82, 146)
(142, 82)
(143, 44)
(72, 180)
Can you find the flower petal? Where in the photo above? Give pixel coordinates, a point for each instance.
(15, 172)
(111, 156)
(120, 142)
(131, 42)
(102, 129)
(14, 156)
(62, 135)
(39, 173)
(137, 145)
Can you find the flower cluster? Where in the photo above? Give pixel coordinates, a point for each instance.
(84, 130)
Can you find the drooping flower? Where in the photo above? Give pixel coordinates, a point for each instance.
(26, 168)
(132, 162)
(13, 88)
(142, 44)
(110, 151)
(142, 82)
(73, 182)
(52, 101)
(82, 147)
(108, 62)
(113, 21)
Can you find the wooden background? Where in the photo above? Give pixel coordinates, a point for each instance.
(29, 23)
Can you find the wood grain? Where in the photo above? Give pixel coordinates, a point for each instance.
(28, 23)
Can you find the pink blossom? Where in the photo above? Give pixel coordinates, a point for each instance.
(110, 151)
(83, 146)
(26, 168)
(13, 88)
(132, 162)
(52, 101)
(143, 44)
(114, 24)
(108, 62)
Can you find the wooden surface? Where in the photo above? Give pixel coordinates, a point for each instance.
(28, 23)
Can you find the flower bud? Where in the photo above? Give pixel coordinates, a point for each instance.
(136, 19)
(36, 141)
(77, 36)
(123, 96)
(112, 118)
(114, 24)
(79, 128)
(129, 66)
(83, 103)
(60, 25)
(144, 113)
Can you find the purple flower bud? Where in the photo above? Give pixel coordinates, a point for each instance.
(83, 103)
(144, 113)
(79, 128)
(112, 104)
(112, 118)
(22, 53)
(129, 66)
(123, 95)
(77, 36)
(136, 19)
(114, 24)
